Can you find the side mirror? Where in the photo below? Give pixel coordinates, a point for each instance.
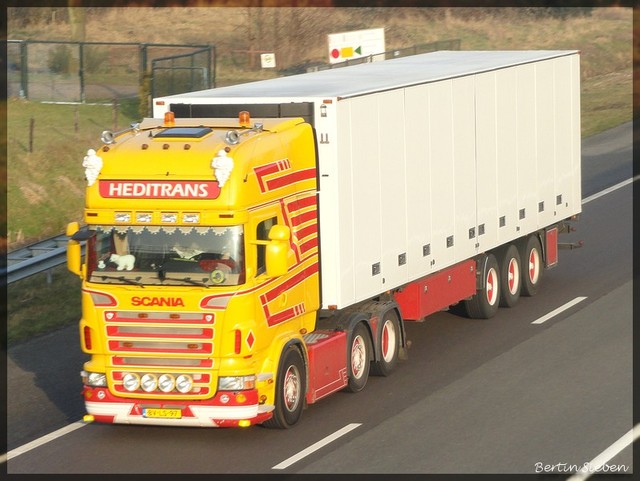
(74, 250)
(277, 251)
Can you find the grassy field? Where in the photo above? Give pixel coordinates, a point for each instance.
(46, 185)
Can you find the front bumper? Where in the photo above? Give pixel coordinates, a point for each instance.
(225, 409)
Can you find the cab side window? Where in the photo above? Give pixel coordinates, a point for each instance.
(263, 234)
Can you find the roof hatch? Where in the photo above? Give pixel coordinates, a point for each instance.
(184, 132)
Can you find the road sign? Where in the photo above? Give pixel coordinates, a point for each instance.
(355, 44)
(268, 60)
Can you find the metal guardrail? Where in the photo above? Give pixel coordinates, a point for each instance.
(35, 258)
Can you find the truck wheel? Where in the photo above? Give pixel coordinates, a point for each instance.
(484, 304)
(389, 342)
(531, 261)
(358, 358)
(290, 391)
(510, 276)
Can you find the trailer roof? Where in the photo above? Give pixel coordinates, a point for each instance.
(379, 76)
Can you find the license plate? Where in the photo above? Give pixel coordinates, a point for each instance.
(162, 413)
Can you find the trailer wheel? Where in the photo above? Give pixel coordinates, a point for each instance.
(389, 342)
(484, 304)
(531, 260)
(511, 279)
(290, 391)
(358, 358)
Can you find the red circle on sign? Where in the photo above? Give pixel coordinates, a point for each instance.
(335, 53)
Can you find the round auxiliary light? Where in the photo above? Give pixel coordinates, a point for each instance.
(166, 383)
(131, 381)
(184, 383)
(149, 382)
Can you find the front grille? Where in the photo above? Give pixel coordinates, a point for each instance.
(160, 331)
(161, 343)
(161, 361)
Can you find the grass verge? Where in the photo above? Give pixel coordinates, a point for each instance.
(36, 306)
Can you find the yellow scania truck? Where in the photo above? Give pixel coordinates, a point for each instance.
(252, 249)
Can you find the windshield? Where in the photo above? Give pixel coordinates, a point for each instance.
(179, 256)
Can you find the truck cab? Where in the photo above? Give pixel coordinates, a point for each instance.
(201, 269)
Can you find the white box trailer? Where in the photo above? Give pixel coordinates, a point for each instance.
(424, 161)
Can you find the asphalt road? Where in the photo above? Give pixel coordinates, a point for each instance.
(497, 396)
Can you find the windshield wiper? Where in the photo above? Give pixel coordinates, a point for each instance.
(135, 282)
(188, 280)
(163, 277)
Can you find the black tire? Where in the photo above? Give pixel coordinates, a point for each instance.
(389, 335)
(510, 276)
(532, 265)
(290, 390)
(484, 304)
(358, 358)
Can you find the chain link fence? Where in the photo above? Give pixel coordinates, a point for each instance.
(181, 73)
(96, 72)
(101, 72)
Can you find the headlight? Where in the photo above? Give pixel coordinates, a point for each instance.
(149, 382)
(131, 381)
(184, 383)
(166, 383)
(236, 383)
(95, 379)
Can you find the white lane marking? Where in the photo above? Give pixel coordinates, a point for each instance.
(43, 440)
(599, 461)
(314, 447)
(557, 311)
(610, 189)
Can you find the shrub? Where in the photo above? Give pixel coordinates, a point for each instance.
(60, 59)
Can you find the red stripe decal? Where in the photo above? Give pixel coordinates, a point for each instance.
(285, 315)
(291, 178)
(268, 169)
(307, 246)
(304, 217)
(289, 284)
(302, 203)
(307, 231)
